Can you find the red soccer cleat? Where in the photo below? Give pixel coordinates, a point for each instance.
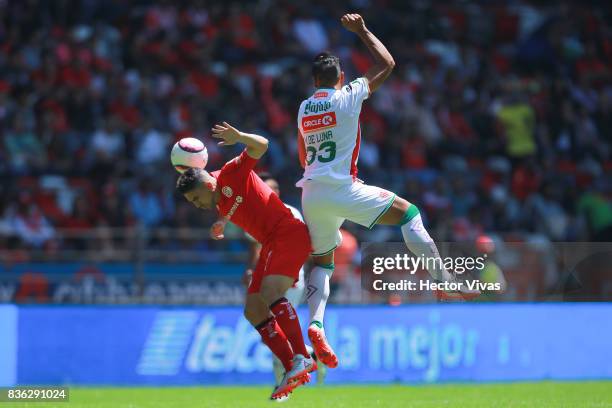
(321, 347)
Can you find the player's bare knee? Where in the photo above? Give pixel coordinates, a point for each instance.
(396, 212)
(251, 316)
(273, 287)
(272, 292)
(324, 259)
(255, 309)
(401, 204)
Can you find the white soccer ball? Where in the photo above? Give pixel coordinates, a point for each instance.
(187, 153)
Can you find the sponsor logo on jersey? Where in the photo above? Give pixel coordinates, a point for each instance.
(232, 210)
(316, 107)
(318, 122)
(320, 94)
(227, 191)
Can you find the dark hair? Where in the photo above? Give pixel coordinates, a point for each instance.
(326, 69)
(189, 180)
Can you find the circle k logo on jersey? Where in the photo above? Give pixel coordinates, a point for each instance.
(318, 122)
(227, 191)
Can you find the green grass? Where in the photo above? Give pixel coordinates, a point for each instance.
(542, 394)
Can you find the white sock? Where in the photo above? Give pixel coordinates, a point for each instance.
(419, 242)
(318, 292)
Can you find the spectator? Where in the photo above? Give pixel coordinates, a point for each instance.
(93, 103)
(517, 121)
(108, 142)
(31, 226)
(24, 149)
(311, 34)
(152, 145)
(146, 205)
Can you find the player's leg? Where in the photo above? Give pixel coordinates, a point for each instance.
(319, 206)
(282, 261)
(294, 295)
(370, 205)
(319, 287)
(419, 242)
(273, 290)
(258, 314)
(416, 237)
(318, 295)
(270, 288)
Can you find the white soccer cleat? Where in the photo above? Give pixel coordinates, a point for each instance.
(286, 387)
(301, 367)
(298, 375)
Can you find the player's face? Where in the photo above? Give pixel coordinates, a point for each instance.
(273, 184)
(201, 197)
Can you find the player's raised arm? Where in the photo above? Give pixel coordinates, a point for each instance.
(384, 62)
(256, 145)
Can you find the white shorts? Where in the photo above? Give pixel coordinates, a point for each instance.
(326, 206)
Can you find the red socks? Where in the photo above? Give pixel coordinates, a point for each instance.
(288, 321)
(273, 337)
(282, 333)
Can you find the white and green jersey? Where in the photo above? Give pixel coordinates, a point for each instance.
(328, 122)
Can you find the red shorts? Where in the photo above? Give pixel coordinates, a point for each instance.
(284, 254)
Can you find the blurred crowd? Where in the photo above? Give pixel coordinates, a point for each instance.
(497, 118)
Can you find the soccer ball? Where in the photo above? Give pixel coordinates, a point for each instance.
(188, 153)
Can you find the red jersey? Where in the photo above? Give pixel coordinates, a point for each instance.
(247, 201)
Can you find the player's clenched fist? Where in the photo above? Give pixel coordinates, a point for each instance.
(217, 229)
(353, 22)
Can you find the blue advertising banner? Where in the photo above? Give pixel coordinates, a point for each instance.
(117, 283)
(411, 344)
(8, 345)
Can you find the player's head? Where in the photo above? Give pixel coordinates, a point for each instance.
(326, 71)
(199, 188)
(270, 181)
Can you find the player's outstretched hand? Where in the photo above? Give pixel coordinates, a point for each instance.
(217, 229)
(227, 133)
(353, 22)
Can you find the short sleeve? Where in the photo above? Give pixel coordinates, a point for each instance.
(355, 93)
(296, 213)
(242, 163)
